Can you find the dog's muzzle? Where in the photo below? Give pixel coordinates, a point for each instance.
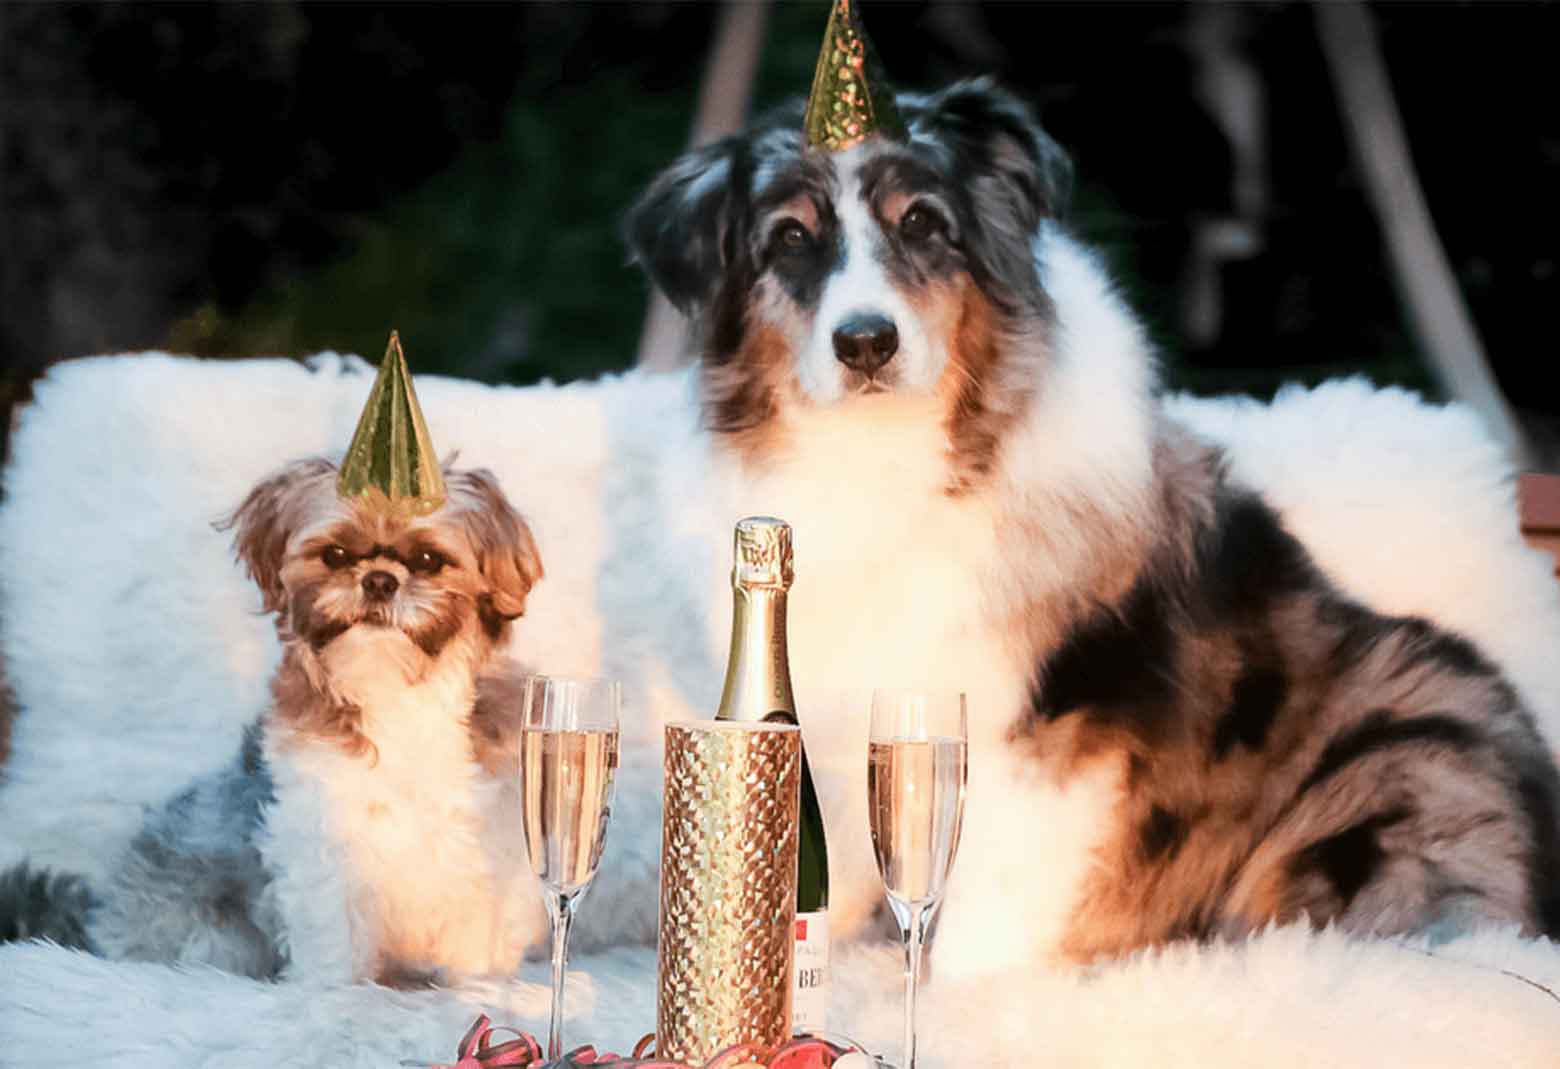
(379, 585)
(865, 343)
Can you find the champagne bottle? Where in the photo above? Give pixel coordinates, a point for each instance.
(758, 687)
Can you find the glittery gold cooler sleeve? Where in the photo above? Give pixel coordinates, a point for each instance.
(728, 887)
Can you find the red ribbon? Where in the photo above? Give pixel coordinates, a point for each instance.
(478, 1051)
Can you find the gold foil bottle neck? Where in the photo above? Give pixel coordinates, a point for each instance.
(762, 553)
(758, 670)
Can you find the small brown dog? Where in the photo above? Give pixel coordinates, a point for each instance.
(362, 832)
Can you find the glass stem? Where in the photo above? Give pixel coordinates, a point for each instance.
(562, 910)
(913, 979)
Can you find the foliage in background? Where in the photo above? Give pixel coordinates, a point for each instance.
(507, 265)
(239, 180)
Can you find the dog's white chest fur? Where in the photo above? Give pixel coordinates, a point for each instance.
(895, 588)
(887, 565)
(415, 849)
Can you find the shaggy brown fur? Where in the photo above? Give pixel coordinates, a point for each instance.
(987, 391)
(741, 403)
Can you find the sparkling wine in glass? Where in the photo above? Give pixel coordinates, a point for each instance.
(568, 759)
(916, 775)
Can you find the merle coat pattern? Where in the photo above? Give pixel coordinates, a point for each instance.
(1291, 754)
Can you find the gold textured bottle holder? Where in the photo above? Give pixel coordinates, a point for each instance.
(728, 887)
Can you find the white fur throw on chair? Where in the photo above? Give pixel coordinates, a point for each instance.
(133, 646)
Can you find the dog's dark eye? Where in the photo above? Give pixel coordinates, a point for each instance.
(791, 236)
(920, 223)
(426, 561)
(335, 557)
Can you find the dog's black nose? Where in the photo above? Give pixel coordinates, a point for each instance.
(866, 342)
(379, 585)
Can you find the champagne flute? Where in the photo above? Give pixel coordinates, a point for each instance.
(916, 774)
(568, 759)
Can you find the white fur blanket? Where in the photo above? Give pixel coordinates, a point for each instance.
(132, 645)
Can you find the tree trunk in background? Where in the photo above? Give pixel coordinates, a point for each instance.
(1424, 279)
(724, 98)
(1229, 86)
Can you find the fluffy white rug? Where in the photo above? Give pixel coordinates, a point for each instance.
(131, 642)
(1288, 998)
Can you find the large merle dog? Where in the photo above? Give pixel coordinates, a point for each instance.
(1181, 727)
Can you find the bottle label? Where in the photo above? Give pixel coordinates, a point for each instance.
(810, 981)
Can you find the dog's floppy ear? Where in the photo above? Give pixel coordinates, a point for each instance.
(267, 518)
(995, 135)
(678, 230)
(506, 552)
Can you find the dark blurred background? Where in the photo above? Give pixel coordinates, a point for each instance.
(256, 179)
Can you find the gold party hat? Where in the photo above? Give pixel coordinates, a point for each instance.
(391, 463)
(851, 99)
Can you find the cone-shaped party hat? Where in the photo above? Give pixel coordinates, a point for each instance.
(391, 463)
(851, 99)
